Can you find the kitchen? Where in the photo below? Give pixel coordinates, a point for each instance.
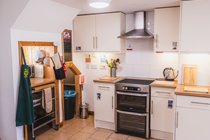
(145, 58)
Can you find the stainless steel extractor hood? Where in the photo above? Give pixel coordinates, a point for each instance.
(140, 30)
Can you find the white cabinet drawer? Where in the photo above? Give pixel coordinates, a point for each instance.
(162, 92)
(193, 102)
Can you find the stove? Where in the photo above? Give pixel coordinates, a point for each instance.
(132, 107)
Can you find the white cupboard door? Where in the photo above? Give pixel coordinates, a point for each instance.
(104, 103)
(192, 124)
(162, 114)
(166, 28)
(84, 33)
(195, 28)
(107, 31)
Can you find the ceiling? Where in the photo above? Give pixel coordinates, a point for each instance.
(126, 6)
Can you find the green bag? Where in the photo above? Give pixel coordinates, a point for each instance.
(25, 110)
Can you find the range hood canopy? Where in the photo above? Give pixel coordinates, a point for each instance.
(140, 30)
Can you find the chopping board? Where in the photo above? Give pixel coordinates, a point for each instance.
(196, 89)
(189, 73)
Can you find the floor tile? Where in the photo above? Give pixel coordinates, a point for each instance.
(80, 136)
(117, 136)
(88, 129)
(105, 130)
(44, 137)
(99, 135)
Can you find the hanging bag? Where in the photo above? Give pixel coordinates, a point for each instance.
(59, 67)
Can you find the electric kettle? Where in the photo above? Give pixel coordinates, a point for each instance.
(170, 74)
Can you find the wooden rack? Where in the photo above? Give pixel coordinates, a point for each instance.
(47, 118)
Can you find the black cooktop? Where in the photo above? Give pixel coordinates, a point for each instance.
(136, 81)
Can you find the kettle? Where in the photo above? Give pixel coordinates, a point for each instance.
(170, 74)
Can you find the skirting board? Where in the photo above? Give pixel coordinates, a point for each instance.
(104, 124)
(161, 135)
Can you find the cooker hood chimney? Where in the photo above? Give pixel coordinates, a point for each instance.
(140, 30)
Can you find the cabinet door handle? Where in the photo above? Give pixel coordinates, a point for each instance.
(96, 42)
(164, 92)
(112, 102)
(152, 107)
(200, 103)
(93, 42)
(177, 119)
(103, 87)
(156, 41)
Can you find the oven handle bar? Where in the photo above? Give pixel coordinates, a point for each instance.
(132, 94)
(132, 113)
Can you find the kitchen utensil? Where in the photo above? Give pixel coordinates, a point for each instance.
(189, 74)
(170, 74)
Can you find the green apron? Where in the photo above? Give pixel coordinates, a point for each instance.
(25, 111)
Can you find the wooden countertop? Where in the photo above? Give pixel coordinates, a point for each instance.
(41, 81)
(107, 79)
(164, 84)
(181, 91)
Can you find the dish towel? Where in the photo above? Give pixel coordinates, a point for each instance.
(47, 100)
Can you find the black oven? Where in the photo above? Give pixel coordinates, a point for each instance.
(132, 123)
(132, 107)
(132, 102)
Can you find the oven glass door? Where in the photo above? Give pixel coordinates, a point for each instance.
(132, 103)
(131, 124)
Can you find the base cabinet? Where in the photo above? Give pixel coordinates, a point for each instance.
(192, 124)
(192, 118)
(162, 113)
(104, 105)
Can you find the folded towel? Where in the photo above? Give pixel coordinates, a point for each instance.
(47, 100)
(56, 60)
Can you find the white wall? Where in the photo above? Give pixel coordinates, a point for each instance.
(45, 16)
(140, 62)
(7, 106)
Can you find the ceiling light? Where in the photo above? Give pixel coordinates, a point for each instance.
(99, 3)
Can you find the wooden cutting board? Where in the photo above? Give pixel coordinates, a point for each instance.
(189, 74)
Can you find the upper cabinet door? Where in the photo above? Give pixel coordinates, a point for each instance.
(99, 33)
(166, 28)
(84, 33)
(108, 28)
(195, 26)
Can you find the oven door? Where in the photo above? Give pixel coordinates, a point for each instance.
(132, 102)
(133, 123)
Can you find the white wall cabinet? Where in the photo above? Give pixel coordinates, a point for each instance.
(104, 105)
(195, 28)
(99, 33)
(166, 29)
(192, 118)
(84, 32)
(162, 113)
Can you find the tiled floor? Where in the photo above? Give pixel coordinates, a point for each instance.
(79, 129)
